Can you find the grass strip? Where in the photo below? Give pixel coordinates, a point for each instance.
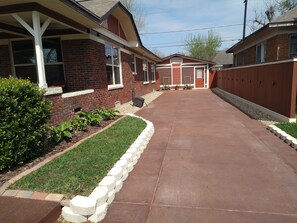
(290, 128)
(78, 171)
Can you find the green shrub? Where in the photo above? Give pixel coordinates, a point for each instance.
(106, 114)
(23, 115)
(63, 131)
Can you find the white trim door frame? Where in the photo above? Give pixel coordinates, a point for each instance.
(206, 77)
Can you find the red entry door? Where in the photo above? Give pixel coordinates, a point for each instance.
(199, 76)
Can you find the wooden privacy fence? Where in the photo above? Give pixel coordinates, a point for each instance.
(271, 85)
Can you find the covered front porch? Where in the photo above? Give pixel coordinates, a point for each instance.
(32, 36)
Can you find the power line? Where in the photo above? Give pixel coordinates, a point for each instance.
(180, 45)
(189, 30)
(180, 42)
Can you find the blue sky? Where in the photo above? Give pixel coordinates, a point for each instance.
(201, 15)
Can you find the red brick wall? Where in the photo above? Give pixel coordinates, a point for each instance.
(5, 65)
(137, 84)
(84, 62)
(63, 108)
(84, 65)
(277, 48)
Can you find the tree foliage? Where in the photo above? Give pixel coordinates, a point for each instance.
(204, 47)
(136, 10)
(272, 8)
(286, 5)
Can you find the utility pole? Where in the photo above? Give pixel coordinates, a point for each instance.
(244, 21)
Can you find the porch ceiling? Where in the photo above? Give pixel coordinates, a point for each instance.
(62, 14)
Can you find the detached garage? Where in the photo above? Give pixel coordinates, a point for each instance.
(180, 70)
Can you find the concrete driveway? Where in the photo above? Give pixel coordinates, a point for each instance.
(208, 162)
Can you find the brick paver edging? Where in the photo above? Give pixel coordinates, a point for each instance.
(94, 207)
(290, 140)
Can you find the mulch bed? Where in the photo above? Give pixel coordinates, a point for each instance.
(4, 177)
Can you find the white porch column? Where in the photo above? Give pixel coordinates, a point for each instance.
(39, 50)
(37, 32)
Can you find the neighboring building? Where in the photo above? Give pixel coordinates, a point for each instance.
(274, 42)
(180, 70)
(85, 53)
(223, 60)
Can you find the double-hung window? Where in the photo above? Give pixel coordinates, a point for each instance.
(114, 77)
(293, 46)
(153, 71)
(260, 53)
(145, 72)
(134, 65)
(25, 62)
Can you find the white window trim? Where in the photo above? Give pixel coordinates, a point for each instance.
(134, 64)
(262, 59)
(153, 71)
(147, 72)
(14, 65)
(115, 86)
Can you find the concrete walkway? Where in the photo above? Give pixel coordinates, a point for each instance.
(208, 162)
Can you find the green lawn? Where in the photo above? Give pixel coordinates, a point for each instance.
(81, 169)
(290, 128)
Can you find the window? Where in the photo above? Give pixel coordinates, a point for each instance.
(293, 46)
(260, 53)
(153, 73)
(145, 71)
(134, 65)
(113, 70)
(25, 61)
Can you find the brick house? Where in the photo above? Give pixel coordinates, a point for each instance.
(180, 70)
(87, 54)
(274, 42)
(264, 72)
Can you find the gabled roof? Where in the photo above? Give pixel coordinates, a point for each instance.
(195, 59)
(223, 58)
(290, 16)
(287, 19)
(99, 7)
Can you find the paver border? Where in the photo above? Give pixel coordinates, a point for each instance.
(287, 138)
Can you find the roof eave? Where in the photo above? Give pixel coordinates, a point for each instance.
(83, 10)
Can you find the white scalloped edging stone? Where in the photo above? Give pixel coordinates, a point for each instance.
(83, 205)
(117, 172)
(100, 213)
(290, 140)
(70, 216)
(100, 193)
(109, 182)
(94, 207)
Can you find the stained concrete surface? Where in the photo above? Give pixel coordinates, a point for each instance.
(208, 162)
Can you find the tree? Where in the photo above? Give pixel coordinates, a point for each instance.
(157, 52)
(272, 8)
(286, 5)
(136, 10)
(262, 18)
(204, 47)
